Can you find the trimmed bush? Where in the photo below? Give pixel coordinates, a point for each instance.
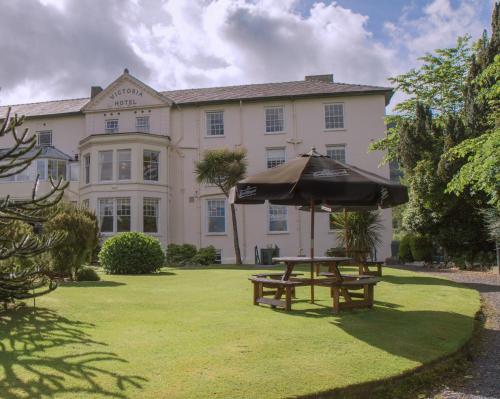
(336, 251)
(131, 253)
(404, 251)
(205, 256)
(421, 248)
(180, 254)
(86, 274)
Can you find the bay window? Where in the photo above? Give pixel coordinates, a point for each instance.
(105, 166)
(151, 160)
(150, 208)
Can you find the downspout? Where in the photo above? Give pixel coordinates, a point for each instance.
(243, 213)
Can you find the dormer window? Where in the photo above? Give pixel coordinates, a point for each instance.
(111, 125)
(142, 124)
(45, 138)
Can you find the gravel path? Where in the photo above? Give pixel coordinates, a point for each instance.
(482, 381)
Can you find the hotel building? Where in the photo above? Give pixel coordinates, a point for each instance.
(129, 152)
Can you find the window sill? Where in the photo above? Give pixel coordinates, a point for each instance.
(215, 136)
(216, 234)
(278, 232)
(335, 130)
(274, 133)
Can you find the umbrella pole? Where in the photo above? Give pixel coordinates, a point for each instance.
(346, 233)
(312, 251)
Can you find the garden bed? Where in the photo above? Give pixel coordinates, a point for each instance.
(194, 333)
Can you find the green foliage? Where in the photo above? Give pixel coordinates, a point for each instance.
(180, 254)
(404, 251)
(131, 253)
(335, 251)
(87, 274)
(363, 231)
(222, 168)
(205, 256)
(81, 237)
(421, 248)
(492, 221)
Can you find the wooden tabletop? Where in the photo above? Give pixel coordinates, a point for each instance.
(316, 259)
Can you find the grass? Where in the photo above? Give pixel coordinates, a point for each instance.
(194, 333)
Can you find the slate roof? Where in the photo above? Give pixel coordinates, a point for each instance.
(47, 152)
(262, 91)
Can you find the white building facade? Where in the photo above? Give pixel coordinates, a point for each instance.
(129, 153)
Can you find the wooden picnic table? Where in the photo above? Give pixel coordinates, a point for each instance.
(291, 261)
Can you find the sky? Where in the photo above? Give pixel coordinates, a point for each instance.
(57, 49)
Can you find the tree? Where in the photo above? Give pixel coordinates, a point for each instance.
(23, 280)
(481, 152)
(224, 168)
(81, 237)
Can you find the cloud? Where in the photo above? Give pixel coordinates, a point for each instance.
(58, 49)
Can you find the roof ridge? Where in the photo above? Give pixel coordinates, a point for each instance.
(45, 102)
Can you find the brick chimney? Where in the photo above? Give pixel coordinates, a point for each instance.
(94, 91)
(320, 78)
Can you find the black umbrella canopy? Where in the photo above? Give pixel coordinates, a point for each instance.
(314, 178)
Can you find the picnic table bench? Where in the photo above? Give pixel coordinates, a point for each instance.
(275, 276)
(259, 294)
(364, 268)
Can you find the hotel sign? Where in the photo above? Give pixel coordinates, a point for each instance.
(125, 97)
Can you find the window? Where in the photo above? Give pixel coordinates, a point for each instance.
(111, 125)
(336, 152)
(57, 169)
(122, 214)
(86, 162)
(74, 171)
(86, 203)
(105, 165)
(41, 169)
(215, 123)
(216, 213)
(275, 157)
(218, 256)
(278, 218)
(114, 214)
(151, 161)
(106, 218)
(45, 138)
(124, 164)
(274, 120)
(334, 116)
(142, 124)
(150, 215)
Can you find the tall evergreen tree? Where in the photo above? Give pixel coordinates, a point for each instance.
(22, 280)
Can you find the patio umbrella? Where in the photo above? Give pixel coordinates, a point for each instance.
(313, 179)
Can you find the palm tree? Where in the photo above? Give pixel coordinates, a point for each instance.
(224, 168)
(362, 231)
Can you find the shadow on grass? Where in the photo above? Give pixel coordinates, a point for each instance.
(102, 283)
(28, 370)
(419, 280)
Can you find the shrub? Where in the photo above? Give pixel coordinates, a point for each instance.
(180, 254)
(336, 251)
(81, 236)
(86, 274)
(421, 248)
(131, 253)
(205, 256)
(404, 251)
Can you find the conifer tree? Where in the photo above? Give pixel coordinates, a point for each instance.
(20, 279)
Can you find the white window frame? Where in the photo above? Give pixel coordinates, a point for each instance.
(268, 150)
(142, 127)
(122, 151)
(86, 203)
(274, 107)
(325, 105)
(74, 171)
(117, 203)
(99, 166)
(218, 256)
(207, 216)
(114, 201)
(58, 161)
(285, 208)
(335, 147)
(156, 202)
(43, 133)
(108, 128)
(207, 125)
(157, 163)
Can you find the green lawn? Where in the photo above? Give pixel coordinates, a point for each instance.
(190, 333)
